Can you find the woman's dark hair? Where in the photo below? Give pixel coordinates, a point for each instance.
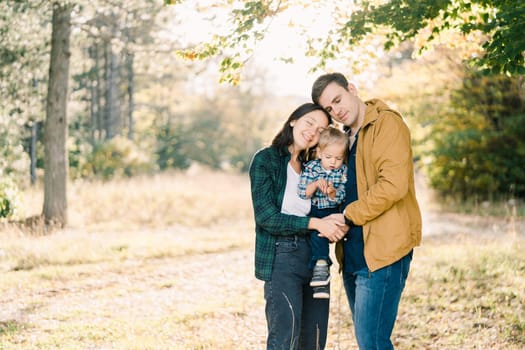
(284, 138)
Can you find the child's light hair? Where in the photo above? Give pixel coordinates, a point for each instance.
(332, 135)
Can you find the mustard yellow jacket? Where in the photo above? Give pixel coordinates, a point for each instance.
(386, 207)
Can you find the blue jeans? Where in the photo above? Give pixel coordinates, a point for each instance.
(374, 298)
(295, 319)
(320, 245)
(320, 249)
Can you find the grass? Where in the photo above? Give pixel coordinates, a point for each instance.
(465, 293)
(501, 208)
(9, 327)
(198, 198)
(166, 262)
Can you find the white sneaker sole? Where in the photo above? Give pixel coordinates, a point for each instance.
(322, 295)
(320, 283)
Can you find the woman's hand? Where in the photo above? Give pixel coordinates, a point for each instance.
(331, 227)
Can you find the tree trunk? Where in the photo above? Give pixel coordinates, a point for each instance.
(129, 66)
(55, 129)
(92, 113)
(34, 133)
(98, 93)
(112, 115)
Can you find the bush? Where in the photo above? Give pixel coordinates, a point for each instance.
(116, 158)
(478, 144)
(9, 198)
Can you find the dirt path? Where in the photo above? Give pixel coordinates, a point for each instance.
(436, 222)
(195, 295)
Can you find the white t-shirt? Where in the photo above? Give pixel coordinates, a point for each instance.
(292, 203)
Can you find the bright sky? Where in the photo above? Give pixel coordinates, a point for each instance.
(283, 39)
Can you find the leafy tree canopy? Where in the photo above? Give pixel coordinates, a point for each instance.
(496, 25)
(500, 22)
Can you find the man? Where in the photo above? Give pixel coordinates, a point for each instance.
(380, 208)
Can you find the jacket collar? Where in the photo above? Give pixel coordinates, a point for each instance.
(373, 108)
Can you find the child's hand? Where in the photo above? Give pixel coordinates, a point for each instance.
(327, 188)
(330, 191)
(322, 185)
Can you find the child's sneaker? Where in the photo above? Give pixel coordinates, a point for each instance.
(320, 276)
(322, 292)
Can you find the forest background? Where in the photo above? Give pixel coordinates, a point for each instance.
(140, 90)
(122, 123)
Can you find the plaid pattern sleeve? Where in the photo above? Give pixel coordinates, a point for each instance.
(309, 174)
(268, 182)
(338, 178)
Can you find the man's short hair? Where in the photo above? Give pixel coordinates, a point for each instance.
(322, 82)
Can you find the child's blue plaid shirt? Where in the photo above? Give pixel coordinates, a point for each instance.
(313, 171)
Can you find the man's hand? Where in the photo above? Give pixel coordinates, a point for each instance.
(330, 227)
(339, 217)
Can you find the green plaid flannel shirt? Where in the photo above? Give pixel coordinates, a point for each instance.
(268, 182)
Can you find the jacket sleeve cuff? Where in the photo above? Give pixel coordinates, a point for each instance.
(348, 222)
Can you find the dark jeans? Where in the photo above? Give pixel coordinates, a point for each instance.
(320, 245)
(374, 299)
(295, 319)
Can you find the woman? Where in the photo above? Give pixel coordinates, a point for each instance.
(295, 319)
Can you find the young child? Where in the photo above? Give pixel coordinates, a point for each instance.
(323, 180)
